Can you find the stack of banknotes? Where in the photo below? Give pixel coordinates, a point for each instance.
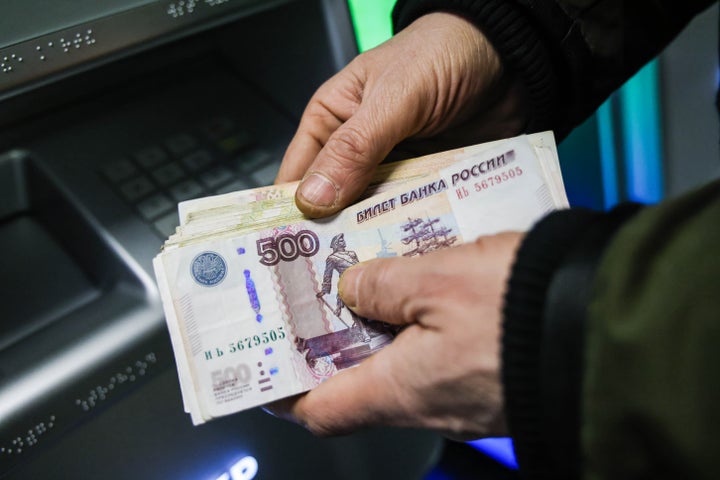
(249, 285)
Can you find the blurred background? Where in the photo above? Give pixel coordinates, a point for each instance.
(111, 113)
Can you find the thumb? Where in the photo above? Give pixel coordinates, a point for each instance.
(393, 290)
(345, 165)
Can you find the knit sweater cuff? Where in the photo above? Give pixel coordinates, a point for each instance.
(543, 337)
(518, 43)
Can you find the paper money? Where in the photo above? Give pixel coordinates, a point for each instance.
(386, 177)
(249, 286)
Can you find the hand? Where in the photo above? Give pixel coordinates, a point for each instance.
(442, 371)
(439, 72)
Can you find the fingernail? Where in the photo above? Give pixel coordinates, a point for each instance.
(348, 285)
(318, 190)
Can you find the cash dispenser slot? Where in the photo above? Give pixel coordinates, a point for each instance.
(68, 303)
(35, 226)
(55, 260)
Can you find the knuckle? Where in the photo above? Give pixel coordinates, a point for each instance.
(394, 294)
(378, 280)
(350, 147)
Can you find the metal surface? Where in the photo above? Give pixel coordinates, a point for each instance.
(76, 35)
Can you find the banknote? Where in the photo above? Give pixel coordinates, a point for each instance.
(252, 306)
(274, 204)
(387, 176)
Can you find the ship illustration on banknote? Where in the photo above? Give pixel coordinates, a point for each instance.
(425, 236)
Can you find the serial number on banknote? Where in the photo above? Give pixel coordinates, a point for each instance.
(247, 343)
(497, 179)
(263, 338)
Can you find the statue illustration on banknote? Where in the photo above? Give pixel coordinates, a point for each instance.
(358, 337)
(338, 261)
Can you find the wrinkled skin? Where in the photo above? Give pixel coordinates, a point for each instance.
(442, 370)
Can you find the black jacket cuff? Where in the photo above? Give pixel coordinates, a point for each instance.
(543, 337)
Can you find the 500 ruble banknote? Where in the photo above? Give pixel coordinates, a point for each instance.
(252, 307)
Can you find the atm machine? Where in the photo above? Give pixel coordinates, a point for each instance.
(110, 114)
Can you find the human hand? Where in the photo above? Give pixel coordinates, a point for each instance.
(442, 371)
(435, 75)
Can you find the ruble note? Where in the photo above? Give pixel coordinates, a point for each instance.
(253, 311)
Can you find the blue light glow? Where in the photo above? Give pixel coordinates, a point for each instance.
(438, 475)
(640, 110)
(501, 449)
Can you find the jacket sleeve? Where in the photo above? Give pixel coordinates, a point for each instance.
(570, 54)
(610, 356)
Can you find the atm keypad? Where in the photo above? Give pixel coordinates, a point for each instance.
(218, 158)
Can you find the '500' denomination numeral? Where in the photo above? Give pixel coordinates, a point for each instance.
(287, 247)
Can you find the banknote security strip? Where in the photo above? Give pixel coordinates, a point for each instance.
(249, 286)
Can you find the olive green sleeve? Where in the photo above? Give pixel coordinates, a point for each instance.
(651, 393)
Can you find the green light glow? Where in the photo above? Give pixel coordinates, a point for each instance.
(371, 19)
